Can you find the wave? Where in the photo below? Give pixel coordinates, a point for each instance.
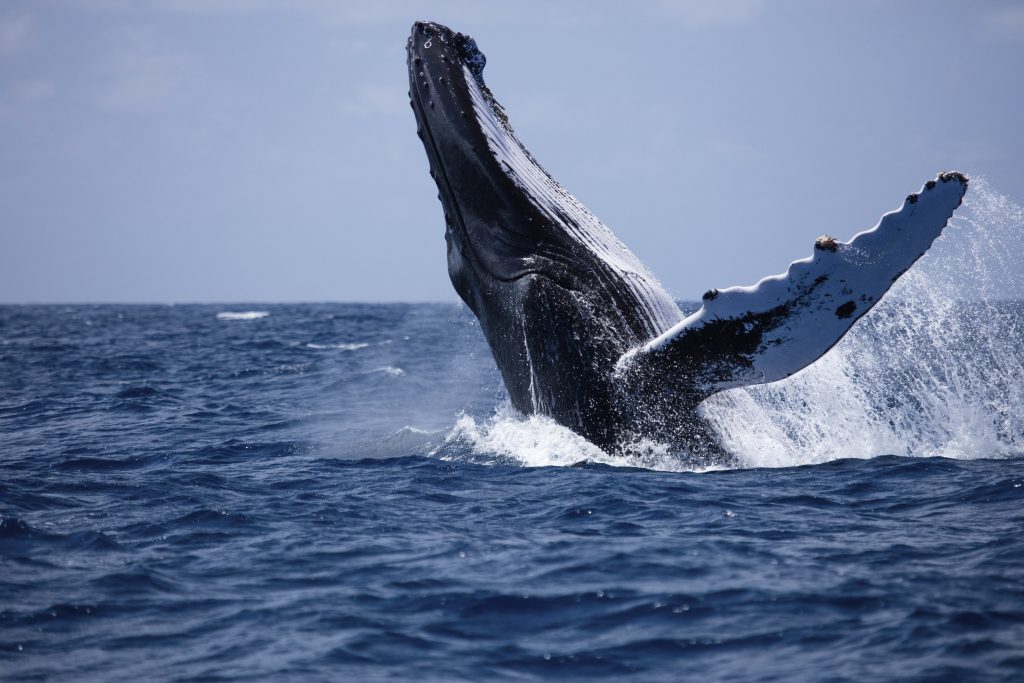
(242, 315)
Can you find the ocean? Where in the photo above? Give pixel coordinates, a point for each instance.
(341, 492)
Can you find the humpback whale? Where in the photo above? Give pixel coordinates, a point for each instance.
(580, 330)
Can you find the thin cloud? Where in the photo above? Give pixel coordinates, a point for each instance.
(1005, 22)
(33, 91)
(374, 99)
(331, 12)
(138, 76)
(15, 33)
(704, 13)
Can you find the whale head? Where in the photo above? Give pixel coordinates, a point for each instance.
(507, 220)
(492, 234)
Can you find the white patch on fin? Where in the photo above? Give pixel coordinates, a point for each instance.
(795, 317)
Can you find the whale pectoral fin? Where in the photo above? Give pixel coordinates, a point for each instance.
(752, 335)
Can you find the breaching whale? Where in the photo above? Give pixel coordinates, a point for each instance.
(580, 330)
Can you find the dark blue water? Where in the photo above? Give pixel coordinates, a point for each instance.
(323, 494)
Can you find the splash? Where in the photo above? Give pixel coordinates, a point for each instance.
(937, 368)
(509, 437)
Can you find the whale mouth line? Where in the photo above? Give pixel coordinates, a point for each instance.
(463, 232)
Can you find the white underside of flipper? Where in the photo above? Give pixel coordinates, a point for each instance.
(785, 322)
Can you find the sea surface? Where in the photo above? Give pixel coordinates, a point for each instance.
(323, 492)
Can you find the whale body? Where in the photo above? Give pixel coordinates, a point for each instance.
(580, 330)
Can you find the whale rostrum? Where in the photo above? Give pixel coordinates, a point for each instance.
(580, 330)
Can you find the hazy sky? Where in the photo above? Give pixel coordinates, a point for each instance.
(264, 150)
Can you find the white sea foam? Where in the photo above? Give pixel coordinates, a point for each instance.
(242, 315)
(539, 441)
(355, 346)
(390, 370)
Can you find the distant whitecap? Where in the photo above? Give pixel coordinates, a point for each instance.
(355, 346)
(242, 315)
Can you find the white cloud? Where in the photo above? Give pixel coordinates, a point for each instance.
(32, 91)
(138, 75)
(15, 34)
(375, 99)
(702, 13)
(343, 12)
(229, 6)
(1006, 22)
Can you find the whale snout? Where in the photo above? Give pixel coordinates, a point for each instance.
(433, 64)
(437, 42)
(430, 38)
(430, 28)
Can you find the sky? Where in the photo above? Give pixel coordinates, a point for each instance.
(264, 150)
